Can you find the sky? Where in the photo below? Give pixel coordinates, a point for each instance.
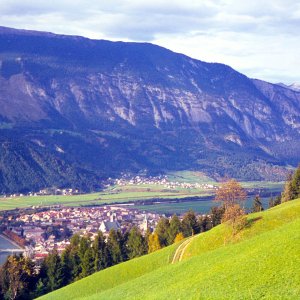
(260, 38)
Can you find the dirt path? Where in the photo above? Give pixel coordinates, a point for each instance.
(180, 250)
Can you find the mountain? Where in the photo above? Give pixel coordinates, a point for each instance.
(294, 86)
(261, 262)
(75, 111)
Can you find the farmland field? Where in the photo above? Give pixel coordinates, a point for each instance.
(143, 193)
(199, 206)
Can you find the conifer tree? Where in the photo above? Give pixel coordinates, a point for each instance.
(271, 202)
(54, 271)
(296, 184)
(75, 258)
(162, 230)
(114, 245)
(135, 244)
(277, 200)
(87, 265)
(190, 224)
(216, 213)
(174, 229)
(123, 238)
(84, 245)
(292, 187)
(42, 284)
(67, 266)
(99, 252)
(288, 192)
(257, 205)
(204, 223)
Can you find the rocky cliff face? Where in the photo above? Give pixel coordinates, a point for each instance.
(74, 111)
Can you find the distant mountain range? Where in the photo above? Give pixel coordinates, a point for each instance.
(75, 111)
(294, 86)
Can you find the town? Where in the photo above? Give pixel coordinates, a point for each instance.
(39, 231)
(161, 180)
(124, 180)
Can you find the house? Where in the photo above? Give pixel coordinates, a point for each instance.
(144, 224)
(106, 226)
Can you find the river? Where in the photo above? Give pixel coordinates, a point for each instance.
(6, 244)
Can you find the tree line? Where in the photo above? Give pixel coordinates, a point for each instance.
(291, 190)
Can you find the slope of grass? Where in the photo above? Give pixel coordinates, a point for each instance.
(262, 262)
(265, 267)
(258, 223)
(115, 275)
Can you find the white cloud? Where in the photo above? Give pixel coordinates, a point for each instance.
(259, 38)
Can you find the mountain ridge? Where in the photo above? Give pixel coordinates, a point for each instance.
(114, 107)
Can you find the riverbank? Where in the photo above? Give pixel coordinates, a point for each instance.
(9, 241)
(6, 243)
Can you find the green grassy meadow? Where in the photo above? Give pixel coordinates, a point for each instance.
(113, 194)
(108, 197)
(190, 177)
(261, 262)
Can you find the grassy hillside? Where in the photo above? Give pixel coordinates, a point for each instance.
(116, 275)
(262, 262)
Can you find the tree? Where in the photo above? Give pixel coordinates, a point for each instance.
(204, 223)
(146, 239)
(153, 243)
(162, 230)
(174, 229)
(296, 184)
(67, 266)
(274, 201)
(135, 243)
(99, 252)
(217, 214)
(75, 257)
(41, 289)
(178, 237)
(236, 217)
(257, 205)
(54, 271)
(288, 192)
(87, 264)
(42, 284)
(84, 245)
(114, 247)
(292, 187)
(18, 277)
(190, 224)
(230, 193)
(123, 238)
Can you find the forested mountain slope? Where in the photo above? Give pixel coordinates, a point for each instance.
(75, 111)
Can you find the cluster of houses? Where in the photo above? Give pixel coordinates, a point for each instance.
(85, 221)
(162, 181)
(46, 192)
